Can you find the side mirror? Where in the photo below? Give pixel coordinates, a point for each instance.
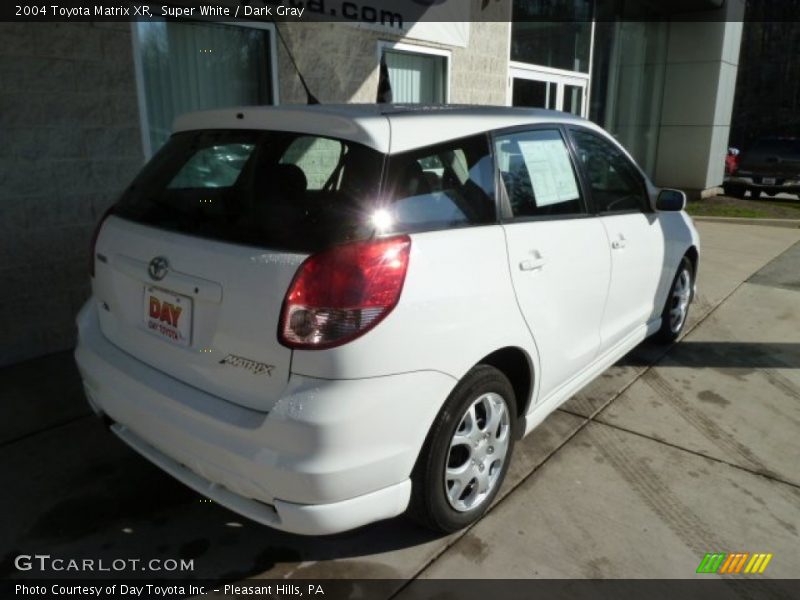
(671, 200)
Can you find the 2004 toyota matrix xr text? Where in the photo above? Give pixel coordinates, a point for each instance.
(324, 316)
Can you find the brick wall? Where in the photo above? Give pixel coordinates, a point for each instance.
(69, 126)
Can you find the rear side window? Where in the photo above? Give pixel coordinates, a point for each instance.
(273, 189)
(616, 184)
(440, 187)
(537, 174)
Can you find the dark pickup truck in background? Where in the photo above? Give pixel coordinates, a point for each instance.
(771, 166)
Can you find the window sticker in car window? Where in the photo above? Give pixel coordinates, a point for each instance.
(550, 171)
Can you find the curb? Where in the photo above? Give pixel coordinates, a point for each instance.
(787, 223)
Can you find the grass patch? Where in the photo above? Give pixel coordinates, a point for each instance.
(787, 204)
(745, 208)
(720, 210)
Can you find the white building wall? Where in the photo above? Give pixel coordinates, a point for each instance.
(702, 61)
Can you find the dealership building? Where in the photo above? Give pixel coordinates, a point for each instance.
(82, 104)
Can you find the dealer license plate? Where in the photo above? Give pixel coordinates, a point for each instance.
(168, 315)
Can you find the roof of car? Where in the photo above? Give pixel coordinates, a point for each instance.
(385, 127)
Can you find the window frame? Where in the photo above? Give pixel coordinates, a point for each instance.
(642, 178)
(138, 67)
(405, 47)
(505, 213)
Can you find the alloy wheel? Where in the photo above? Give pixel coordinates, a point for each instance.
(681, 295)
(478, 451)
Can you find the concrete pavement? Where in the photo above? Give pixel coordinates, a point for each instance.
(668, 455)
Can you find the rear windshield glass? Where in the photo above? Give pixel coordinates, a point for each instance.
(280, 190)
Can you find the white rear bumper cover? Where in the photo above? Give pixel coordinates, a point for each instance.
(330, 456)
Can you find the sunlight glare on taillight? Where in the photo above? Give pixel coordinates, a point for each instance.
(343, 292)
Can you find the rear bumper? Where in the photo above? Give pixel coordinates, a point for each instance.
(330, 456)
(791, 186)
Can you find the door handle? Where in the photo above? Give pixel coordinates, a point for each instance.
(532, 264)
(620, 243)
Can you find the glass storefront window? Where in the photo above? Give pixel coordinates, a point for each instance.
(416, 78)
(628, 84)
(533, 93)
(552, 33)
(573, 99)
(195, 66)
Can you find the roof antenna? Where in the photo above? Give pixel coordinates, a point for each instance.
(310, 98)
(384, 82)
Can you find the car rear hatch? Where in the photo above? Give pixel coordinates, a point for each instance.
(773, 160)
(192, 265)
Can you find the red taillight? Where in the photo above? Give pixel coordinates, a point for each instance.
(93, 243)
(343, 292)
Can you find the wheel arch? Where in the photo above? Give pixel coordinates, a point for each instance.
(517, 365)
(694, 257)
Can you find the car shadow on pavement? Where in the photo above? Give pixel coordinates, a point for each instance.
(81, 493)
(719, 355)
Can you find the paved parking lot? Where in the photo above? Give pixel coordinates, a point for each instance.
(668, 455)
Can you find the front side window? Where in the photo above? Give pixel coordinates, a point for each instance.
(615, 182)
(439, 187)
(537, 174)
(187, 66)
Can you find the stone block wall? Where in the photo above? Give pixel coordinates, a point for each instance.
(339, 61)
(69, 126)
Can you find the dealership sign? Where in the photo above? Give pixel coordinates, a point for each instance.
(439, 21)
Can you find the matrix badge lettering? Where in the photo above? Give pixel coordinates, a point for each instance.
(256, 368)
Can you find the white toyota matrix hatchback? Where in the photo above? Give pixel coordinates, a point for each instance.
(324, 316)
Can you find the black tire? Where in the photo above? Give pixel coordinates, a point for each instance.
(734, 191)
(429, 503)
(755, 194)
(668, 332)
